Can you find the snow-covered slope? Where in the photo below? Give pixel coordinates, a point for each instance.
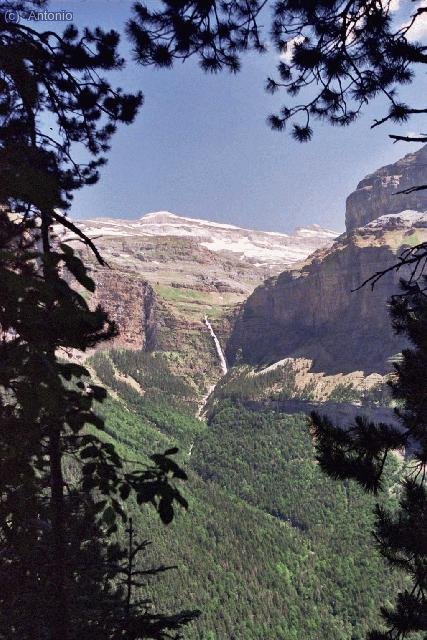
(404, 220)
(259, 247)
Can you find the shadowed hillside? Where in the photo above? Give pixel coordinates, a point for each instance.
(319, 312)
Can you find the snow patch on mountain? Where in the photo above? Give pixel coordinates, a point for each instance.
(403, 219)
(260, 247)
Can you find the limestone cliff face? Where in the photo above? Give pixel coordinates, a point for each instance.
(315, 312)
(376, 195)
(131, 303)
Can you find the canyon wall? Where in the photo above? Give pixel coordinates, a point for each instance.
(315, 314)
(162, 286)
(130, 301)
(318, 312)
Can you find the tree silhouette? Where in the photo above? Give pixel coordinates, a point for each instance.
(54, 99)
(343, 53)
(39, 555)
(361, 452)
(215, 32)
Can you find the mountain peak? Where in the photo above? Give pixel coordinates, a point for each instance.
(380, 192)
(258, 247)
(149, 217)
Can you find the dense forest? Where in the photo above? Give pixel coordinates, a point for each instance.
(271, 547)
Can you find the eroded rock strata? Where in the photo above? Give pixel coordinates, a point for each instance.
(376, 196)
(319, 311)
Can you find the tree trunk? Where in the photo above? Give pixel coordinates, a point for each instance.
(59, 614)
(59, 630)
(129, 571)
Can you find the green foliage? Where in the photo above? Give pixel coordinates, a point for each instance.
(361, 452)
(158, 406)
(242, 384)
(377, 395)
(272, 548)
(151, 371)
(345, 392)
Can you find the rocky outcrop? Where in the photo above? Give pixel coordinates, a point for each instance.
(376, 195)
(196, 268)
(318, 313)
(131, 303)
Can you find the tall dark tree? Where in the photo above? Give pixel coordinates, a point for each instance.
(54, 99)
(361, 452)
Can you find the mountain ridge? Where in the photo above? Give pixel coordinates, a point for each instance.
(263, 247)
(269, 295)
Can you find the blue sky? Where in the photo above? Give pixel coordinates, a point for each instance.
(201, 147)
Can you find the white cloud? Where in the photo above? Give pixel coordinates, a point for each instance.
(394, 5)
(418, 31)
(286, 56)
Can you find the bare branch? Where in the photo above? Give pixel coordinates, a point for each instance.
(420, 187)
(72, 227)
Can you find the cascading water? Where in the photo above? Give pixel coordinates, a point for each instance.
(219, 351)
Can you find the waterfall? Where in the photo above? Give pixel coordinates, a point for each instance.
(217, 346)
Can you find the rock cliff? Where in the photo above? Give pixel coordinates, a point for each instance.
(316, 312)
(168, 272)
(130, 301)
(376, 195)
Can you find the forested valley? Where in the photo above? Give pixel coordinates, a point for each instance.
(211, 431)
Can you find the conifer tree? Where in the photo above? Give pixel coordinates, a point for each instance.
(341, 53)
(53, 531)
(361, 453)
